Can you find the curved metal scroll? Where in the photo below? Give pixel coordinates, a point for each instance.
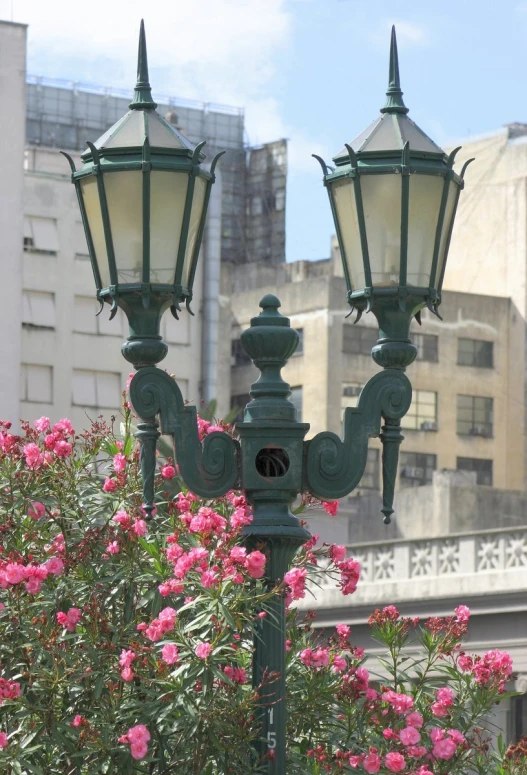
(335, 467)
(209, 469)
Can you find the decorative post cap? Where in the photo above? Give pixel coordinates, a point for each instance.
(394, 95)
(269, 316)
(142, 93)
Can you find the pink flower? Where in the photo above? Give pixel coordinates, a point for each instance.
(62, 449)
(209, 578)
(42, 424)
(139, 750)
(296, 581)
(372, 763)
(439, 710)
(317, 658)
(139, 527)
(238, 675)
(119, 462)
(331, 507)
(339, 664)
(444, 749)
(127, 657)
(54, 565)
(64, 426)
(170, 654)
(344, 630)
(337, 552)
(462, 613)
(409, 736)
(113, 547)
(77, 721)
(168, 472)
(416, 751)
(36, 510)
(395, 762)
(436, 734)
(401, 703)
(14, 572)
(457, 736)
(110, 485)
(33, 455)
(127, 674)
(238, 554)
(445, 696)
(415, 720)
(33, 585)
(350, 575)
(138, 738)
(70, 619)
(255, 564)
(3, 740)
(241, 516)
(203, 650)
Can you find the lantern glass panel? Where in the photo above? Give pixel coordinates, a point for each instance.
(168, 193)
(198, 201)
(90, 195)
(381, 198)
(124, 193)
(453, 190)
(343, 193)
(129, 133)
(423, 210)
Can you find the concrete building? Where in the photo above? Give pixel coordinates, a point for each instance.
(58, 358)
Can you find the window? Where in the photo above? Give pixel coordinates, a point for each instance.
(370, 477)
(81, 246)
(86, 321)
(240, 402)
(176, 331)
(350, 395)
(96, 388)
(483, 468)
(427, 348)
(36, 383)
(40, 235)
(296, 399)
(474, 416)
(519, 717)
(422, 415)
(300, 349)
(474, 352)
(238, 355)
(358, 340)
(38, 309)
(416, 468)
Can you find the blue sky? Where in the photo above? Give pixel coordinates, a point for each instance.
(314, 71)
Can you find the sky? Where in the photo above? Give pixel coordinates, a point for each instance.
(312, 71)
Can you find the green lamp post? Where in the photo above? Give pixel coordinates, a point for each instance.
(143, 198)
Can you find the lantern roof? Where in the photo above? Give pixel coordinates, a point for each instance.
(392, 129)
(142, 122)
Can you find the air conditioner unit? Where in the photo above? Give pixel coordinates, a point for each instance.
(428, 426)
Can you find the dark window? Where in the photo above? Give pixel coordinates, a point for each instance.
(483, 468)
(239, 403)
(474, 416)
(519, 717)
(370, 477)
(416, 468)
(422, 415)
(300, 349)
(427, 348)
(296, 399)
(358, 340)
(474, 352)
(238, 355)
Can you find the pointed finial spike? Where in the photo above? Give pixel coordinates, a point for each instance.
(394, 101)
(142, 93)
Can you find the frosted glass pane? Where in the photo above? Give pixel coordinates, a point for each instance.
(128, 133)
(124, 192)
(200, 188)
(93, 212)
(386, 136)
(168, 192)
(162, 135)
(449, 214)
(423, 212)
(381, 198)
(344, 199)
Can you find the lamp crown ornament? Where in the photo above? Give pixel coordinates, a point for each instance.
(142, 99)
(394, 95)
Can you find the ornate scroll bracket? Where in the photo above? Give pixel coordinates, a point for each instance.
(209, 469)
(335, 467)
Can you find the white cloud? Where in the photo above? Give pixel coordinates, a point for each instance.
(408, 33)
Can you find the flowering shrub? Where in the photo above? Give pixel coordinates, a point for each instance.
(127, 648)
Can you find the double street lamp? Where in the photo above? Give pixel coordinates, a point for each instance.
(143, 196)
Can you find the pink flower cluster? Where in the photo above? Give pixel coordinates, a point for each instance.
(137, 737)
(9, 690)
(12, 573)
(296, 581)
(165, 622)
(3, 740)
(70, 619)
(125, 661)
(350, 575)
(206, 521)
(317, 658)
(444, 700)
(492, 669)
(56, 444)
(238, 675)
(170, 653)
(401, 703)
(134, 527)
(203, 650)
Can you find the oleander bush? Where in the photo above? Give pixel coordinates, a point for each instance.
(126, 647)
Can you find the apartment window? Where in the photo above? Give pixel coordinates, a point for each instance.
(86, 321)
(427, 347)
(350, 395)
(239, 403)
(300, 349)
(483, 468)
(176, 331)
(519, 717)
(422, 415)
(38, 309)
(36, 383)
(296, 399)
(474, 352)
(416, 468)
(96, 388)
(238, 355)
(474, 416)
(370, 477)
(358, 340)
(40, 235)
